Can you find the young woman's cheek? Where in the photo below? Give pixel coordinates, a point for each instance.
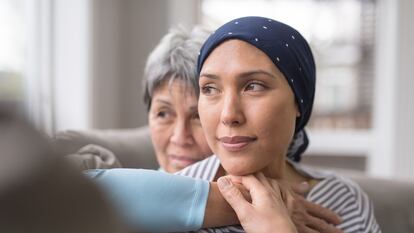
(208, 113)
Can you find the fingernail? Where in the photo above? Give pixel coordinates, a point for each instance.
(223, 183)
(304, 185)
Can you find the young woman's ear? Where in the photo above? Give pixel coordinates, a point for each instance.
(297, 110)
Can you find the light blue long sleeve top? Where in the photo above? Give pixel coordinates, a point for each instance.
(154, 201)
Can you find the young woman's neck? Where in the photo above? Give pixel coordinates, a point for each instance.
(284, 170)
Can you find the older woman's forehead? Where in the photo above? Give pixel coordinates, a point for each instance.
(175, 84)
(176, 93)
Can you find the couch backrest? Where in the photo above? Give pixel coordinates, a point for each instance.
(133, 147)
(393, 201)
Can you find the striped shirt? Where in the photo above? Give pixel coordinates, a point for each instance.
(336, 193)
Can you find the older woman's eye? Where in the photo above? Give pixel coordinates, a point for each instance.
(196, 116)
(162, 114)
(209, 90)
(255, 87)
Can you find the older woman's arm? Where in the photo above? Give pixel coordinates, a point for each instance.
(218, 211)
(160, 202)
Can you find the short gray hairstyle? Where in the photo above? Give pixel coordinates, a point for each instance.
(175, 57)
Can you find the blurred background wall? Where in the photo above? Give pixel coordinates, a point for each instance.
(78, 64)
(124, 33)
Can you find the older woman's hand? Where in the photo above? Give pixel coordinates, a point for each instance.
(265, 213)
(307, 216)
(93, 157)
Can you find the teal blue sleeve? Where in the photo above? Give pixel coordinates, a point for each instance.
(154, 201)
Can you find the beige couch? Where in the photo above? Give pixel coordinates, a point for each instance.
(393, 200)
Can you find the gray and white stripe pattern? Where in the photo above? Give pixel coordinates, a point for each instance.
(205, 169)
(341, 195)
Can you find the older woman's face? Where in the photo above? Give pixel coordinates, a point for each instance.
(247, 109)
(176, 131)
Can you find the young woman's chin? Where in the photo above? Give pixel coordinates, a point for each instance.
(243, 166)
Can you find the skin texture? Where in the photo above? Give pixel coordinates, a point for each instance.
(176, 131)
(244, 94)
(266, 212)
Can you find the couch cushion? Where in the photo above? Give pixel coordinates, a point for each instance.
(393, 202)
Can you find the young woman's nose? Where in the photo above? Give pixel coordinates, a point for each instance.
(182, 134)
(232, 111)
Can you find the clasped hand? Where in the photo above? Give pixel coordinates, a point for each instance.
(266, 205)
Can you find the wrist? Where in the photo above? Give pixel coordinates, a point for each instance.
(218, 212)
(282, 225)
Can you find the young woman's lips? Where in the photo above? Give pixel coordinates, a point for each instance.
(182, 161)
(236, 143)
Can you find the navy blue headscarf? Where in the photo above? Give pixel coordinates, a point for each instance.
(288, 50)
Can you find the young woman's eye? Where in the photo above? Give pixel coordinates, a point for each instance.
(209, 90)
(255, 87)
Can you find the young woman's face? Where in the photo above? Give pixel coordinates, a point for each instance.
(247, 109)
(175, 127)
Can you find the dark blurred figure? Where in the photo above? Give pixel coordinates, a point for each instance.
(39, 193)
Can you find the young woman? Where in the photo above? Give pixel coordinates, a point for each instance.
(257, 85)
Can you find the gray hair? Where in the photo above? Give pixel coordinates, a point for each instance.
(175, 57)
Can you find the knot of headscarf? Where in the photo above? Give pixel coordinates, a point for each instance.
(285, 47)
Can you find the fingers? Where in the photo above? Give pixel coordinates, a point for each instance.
(305, 229)
(91, 149)
(308, 217)
(321, 226)
(258, 191)
(313, 209)
(235, 179)
(244, 191)
(321, 212)
(301, 188)
(286, 194)
(234, 197)
(266, 182)
(98, 157)
(306, 223)
(100, 151)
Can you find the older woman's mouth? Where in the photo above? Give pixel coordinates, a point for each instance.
(236, 143)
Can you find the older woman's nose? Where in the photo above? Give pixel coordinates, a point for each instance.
(182, 134)
(232, 111)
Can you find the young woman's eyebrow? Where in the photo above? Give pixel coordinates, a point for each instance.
(256, 72)
(242, 75)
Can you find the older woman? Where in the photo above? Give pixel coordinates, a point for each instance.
(257, 85)
(171, 98)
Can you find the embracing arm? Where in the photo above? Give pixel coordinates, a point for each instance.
(157, 201)
(218, 211)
